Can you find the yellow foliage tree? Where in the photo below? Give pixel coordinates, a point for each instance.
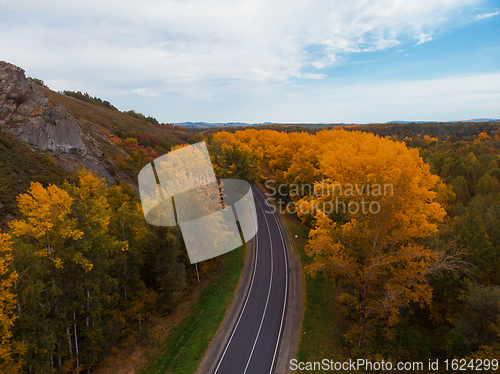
(232, 158)
(276, 149)
(91, 203)
(46, 219)
(8, 348)
(370, 200)
(374, 200)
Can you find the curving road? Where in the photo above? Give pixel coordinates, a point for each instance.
(254, 342)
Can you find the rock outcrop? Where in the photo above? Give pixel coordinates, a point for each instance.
(31, 117)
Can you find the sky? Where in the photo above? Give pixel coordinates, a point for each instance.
(314, 61)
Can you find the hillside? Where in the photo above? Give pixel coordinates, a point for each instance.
(19, 165)
(94, 118)
(111, 127)
(109, 275)
(47, 135)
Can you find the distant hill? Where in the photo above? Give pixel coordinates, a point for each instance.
(208, 125)
(218, 124)
(469, 120)
(483, 120)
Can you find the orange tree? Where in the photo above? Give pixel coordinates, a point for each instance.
(63, 256)
(372, 205)
(8, 348)
(232, 158)
(371, 202)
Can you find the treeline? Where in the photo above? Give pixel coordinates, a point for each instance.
(450, 131)
(38, 82)
(80, 271)
(90, 99)
(276, 127)
(142, 117)
(106, 104)
(420, 277)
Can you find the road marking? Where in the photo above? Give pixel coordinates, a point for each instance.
(244, 305)
(268, 292)
(286, 288)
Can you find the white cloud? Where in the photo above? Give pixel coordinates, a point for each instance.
(324, 61)
(487, 15)
(312, 76)
(224, 60)
(423, 37)
(198, 47)
(146, 92)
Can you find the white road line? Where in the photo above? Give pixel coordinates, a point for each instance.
(268, 292)
(286, 291)
(244, 305)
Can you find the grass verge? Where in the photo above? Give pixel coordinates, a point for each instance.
(185, 346)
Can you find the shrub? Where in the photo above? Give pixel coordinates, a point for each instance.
(130, 141)
(147, 140)
(86, 97)
(106, 133)
(117, 141)
(46, 159)
(112, 170)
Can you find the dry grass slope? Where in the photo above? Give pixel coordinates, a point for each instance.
(94, 117)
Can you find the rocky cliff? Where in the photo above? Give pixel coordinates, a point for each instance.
(31, 117)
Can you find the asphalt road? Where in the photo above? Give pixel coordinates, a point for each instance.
(254, 342)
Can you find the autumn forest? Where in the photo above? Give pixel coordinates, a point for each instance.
(420, 279)
(81, 271)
